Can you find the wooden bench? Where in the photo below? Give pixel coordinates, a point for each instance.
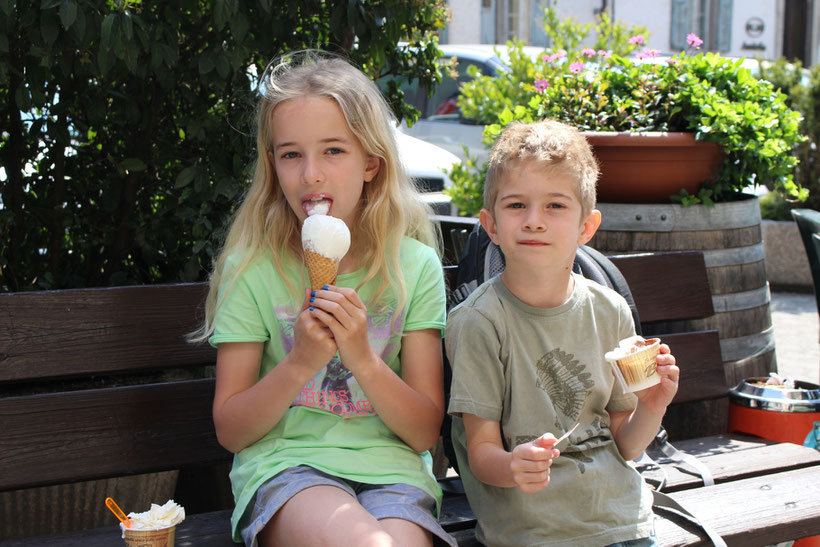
(99, 383)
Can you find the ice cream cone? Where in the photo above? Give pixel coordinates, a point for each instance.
(164, 537)
(321, 269)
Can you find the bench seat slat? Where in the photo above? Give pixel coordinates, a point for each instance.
(71, 436)
(100, 330)
(751, 512)
(202, 530)
(731, 458)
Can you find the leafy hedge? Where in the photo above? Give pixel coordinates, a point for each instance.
(127, 125)
(802, 88)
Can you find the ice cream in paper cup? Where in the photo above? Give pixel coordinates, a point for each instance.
(155, 527)
(634, 362)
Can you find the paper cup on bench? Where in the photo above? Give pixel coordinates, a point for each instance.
(636, 369)
(163, 537)
(155, 527)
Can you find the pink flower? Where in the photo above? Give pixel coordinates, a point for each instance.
(576, 67)
(541, 85)
(636, 40)
(604, 53)
(589, 52)
(650, 52)
(551, 58)
(693, 40)
(641, 55)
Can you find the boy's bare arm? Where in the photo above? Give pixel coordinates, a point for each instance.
(527, 466)
(633, 431)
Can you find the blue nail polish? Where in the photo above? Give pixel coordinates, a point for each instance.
(312, 299)
(312, 293)
(311, 308)
(325, 287)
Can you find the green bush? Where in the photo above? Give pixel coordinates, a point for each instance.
(127, 125)
(802, 89)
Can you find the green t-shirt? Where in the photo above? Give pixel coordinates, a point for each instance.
(331, 425)
(538, 370)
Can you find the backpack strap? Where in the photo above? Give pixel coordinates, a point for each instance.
(663, 502)
(661, 442)
(598, 265)
(588, 264)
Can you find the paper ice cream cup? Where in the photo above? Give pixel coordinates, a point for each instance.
(638, 369)
(162, 537)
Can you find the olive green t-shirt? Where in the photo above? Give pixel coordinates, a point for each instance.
(538, 370)
(331, 425)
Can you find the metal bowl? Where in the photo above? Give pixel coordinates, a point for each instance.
(805, 397)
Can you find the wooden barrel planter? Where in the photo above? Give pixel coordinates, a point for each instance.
(729, 234)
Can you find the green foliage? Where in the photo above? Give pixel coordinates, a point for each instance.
(802, 89)
(127, 125)
(467, 193)
(711, 96)
(613, 36)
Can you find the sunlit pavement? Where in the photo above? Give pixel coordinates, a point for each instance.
(796, 332)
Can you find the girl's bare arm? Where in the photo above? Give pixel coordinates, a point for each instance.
(412, 406)
(246, 409)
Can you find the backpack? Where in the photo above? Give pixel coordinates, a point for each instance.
(481, 259)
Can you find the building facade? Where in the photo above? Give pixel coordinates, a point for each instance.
(739, 28)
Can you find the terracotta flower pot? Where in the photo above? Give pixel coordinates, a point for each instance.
(648, 167)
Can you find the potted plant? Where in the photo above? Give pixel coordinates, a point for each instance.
(742, 128)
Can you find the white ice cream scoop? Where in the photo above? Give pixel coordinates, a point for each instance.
(326, 235)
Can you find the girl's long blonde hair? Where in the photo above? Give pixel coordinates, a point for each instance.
(390, 205)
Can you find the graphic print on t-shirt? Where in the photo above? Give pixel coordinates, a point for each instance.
(565, 380)
(334, 388)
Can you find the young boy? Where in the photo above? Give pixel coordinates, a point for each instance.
(527, 350)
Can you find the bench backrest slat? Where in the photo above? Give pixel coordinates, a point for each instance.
(97, 433)
(698, 356)
(87, 331)
(667, 286)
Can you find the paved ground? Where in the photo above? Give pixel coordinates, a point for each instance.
(796, 331)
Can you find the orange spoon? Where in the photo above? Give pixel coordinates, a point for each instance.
(111, 504)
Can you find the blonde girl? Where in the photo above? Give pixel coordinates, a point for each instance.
(329, 399)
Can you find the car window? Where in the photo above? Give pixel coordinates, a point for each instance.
(443, 103)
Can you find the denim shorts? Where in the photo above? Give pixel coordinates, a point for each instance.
(380, 500)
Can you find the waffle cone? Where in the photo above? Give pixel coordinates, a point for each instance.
(640, 370)
(321, 269)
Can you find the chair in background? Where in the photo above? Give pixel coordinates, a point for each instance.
(808, 222)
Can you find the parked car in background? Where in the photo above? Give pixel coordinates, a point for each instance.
(441, 122)
(427, 164)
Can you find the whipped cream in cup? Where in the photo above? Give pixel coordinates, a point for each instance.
(155, 527)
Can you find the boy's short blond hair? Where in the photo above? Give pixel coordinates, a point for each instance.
(558, 147)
